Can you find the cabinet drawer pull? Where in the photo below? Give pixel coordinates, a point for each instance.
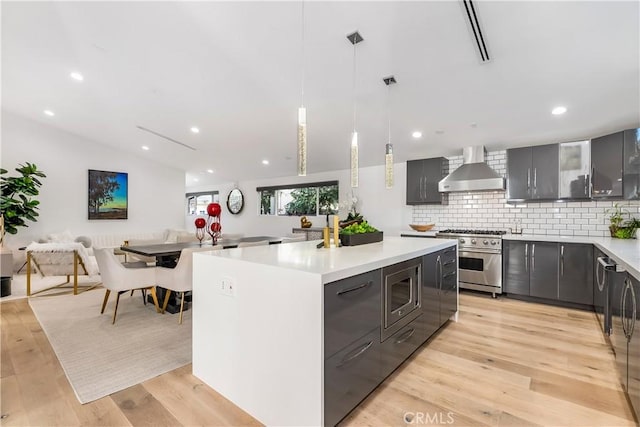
(355, 288)
(450, 250)
(351, 356)
(449, 274)
(405, 336)
(453, 261)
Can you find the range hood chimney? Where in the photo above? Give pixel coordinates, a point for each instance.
(473, 175)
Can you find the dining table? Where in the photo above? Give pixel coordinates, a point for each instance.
(167, 255)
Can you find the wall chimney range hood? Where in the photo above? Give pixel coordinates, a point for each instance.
(473, 175)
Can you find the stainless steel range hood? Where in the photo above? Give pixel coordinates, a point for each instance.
(473, 175)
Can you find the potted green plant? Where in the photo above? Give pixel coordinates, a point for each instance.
(17, 206)
(619, 226)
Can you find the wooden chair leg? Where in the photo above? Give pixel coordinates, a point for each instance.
(115, 311)
(106, 298)
(152, 289)
(181, 307)
(166, 300)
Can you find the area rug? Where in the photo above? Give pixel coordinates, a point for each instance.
(100, 358)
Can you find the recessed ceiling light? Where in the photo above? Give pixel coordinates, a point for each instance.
(559, 110)
(145, 148)
(49, 113)
(439, 132)
(195, 130)
(210, 170)
(474, 125)
(196, 179)
(265, 162)
(417, 134)
(76, 76)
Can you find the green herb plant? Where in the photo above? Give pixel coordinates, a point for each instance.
(363, 227)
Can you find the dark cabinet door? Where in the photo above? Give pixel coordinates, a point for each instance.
(606, 166)
(519, 173)
(422, 181)
(351, 309)
(432, 170)
(633, 348)
(395, 349)
(543, 270)
(575, 278)
(431, 293)
(544, 171)
(415, 182)
(350, 375)
(631, 167)
(515, 267)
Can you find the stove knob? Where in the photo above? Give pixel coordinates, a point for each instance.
(493, 242)
(473, 241)
(461, 240)
(485, 242)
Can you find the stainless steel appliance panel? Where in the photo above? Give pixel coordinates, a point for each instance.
(401, 295)
(480, 268)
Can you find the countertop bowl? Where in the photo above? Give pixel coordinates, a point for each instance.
(421, 227)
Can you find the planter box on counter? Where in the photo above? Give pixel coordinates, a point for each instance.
(360, 239)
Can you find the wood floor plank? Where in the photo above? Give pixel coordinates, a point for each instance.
(142, 409)
(505, 363)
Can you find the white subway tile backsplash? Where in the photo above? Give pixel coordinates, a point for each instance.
(490, 210)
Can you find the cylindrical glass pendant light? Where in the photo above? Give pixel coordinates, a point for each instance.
(388, 156)
(302, 118)
(354, 38)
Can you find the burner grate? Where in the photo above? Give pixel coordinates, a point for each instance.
(468, 231)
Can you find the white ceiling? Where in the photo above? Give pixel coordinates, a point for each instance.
(234, 70)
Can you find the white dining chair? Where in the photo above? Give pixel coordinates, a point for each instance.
(248, 244)
(180, 278)
(117, 278)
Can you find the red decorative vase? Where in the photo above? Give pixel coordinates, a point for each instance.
(214, 209)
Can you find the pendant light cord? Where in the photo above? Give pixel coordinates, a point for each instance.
(389, 111)
(302, 49)
(354, 87)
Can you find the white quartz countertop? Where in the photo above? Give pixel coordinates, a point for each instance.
(334, 263)
(625, 252)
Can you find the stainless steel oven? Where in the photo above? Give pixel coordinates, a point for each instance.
(401, 295)
(479, 259)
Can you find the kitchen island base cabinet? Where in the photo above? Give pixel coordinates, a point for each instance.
(350, 375)
(401, 345)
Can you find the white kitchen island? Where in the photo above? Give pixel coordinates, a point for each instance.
(258, 320)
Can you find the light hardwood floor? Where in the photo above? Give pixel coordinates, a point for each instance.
(505, 362)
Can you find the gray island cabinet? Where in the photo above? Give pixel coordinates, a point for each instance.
(296, 335)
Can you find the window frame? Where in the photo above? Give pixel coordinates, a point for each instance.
(276, 188)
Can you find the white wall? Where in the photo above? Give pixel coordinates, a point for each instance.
(156, 192)
(384, 208)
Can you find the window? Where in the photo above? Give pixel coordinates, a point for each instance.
(197, 202)
(318, 198)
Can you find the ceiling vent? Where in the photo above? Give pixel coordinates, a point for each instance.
(472, 17)
(166, 137)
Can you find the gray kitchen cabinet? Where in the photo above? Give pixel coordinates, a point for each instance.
(631, 166)
(430, 294)
(448, 284)
(350, 375)
(515, 267)
(575, 169)
(575, 282)
(422, 181)
(351, 309)
(607, 166)
(395, 349)
(543, 270)
(439, 288)
(532, 173)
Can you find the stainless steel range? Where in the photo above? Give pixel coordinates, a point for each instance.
(479, 258)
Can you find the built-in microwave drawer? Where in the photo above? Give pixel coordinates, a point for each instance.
(401, 295)
(351, 309)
